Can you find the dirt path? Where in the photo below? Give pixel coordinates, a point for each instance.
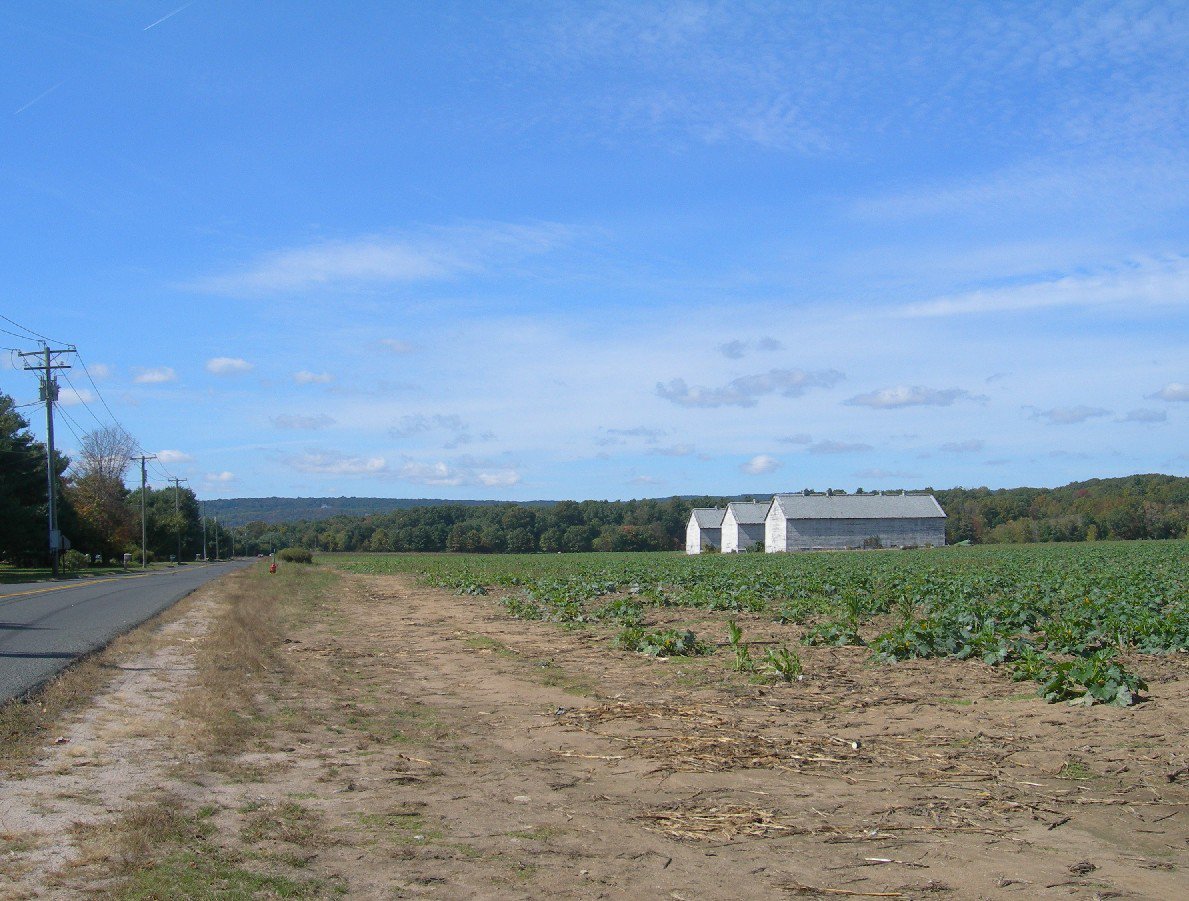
(416, 743)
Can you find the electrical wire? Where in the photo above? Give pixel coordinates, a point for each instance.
(25, 328)
(102, 400)
(71, 423)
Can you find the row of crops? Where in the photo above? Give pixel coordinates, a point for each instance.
(1059, 615)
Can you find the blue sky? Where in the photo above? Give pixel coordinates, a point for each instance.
(546, 250)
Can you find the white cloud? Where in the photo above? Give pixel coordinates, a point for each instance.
(736, 349)
(743, 391)
(1147, 283)
(417, 423)
(74, 397)
(219, 478)
(675, 450)
(333, 463)
(1144, 416)
(733, 350)
(173, 456)
(914, 396)
(300, 421)
(227, 365)
(101, 371)
(761, 464)
(645, 480)
(884, 474)
(799, 438)
(1070, 415)
(1173, 391)
(156, 376)
(397, 346)
(305, 377)
(970, 446)
(838, 447)
(435, 254)
(464, 472)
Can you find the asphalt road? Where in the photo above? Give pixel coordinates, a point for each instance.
(45, 625)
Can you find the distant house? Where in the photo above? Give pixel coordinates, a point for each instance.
(800, 522)
(704, 529)
(743, 526)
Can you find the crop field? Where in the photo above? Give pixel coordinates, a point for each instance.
(1072, 619)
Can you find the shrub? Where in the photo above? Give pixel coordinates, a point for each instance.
(296, 555)
(73, 561)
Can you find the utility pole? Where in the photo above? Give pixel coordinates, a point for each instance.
(144, 555)
(177, 488)
(49, 394)
(204, 531)
(216, 538)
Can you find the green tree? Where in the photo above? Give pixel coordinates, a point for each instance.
(23, 535)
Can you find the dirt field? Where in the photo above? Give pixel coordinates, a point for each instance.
(388, 740)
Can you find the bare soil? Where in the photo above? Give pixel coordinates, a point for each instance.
(413, 743)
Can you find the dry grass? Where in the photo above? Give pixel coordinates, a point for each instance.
(28, 723)
(235, 655)
(129, 842)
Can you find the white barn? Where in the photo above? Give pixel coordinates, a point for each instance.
(743, 525)
(800, 522)
(704, 529)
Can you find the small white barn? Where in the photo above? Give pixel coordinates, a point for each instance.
(743, 525)
(801, 522)
(704, 529)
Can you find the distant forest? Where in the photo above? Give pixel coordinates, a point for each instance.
(1132, 507)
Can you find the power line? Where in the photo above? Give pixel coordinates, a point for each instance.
(102, 400)
(82, 400)
(71, 423)
(25, 328)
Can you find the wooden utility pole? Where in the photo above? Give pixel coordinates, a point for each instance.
(49, 394)
(177, 488)
(144, 479)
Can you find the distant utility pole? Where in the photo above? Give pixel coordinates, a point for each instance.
(216, 538)
(177, 488)
(49, 394)
(144, 556)
(204, 531)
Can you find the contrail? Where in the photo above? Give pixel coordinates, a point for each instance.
(40, 96)
(170, 15)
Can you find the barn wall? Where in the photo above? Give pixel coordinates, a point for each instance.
(775, 529)
(730, 534)
(842, 533)
(750, 534)
(696, 539)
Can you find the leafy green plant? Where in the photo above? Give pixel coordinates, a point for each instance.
(743, 661)
(832, 633)
(295, 555)
(1097, 678)
(784, 663)
(662, 643)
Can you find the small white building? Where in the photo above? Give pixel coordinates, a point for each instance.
(743, 525)
(704, 529)
(801, 522)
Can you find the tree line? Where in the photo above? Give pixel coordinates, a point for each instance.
(96, 510)
(1134, 507)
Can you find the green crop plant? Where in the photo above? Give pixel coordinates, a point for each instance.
(662, 643)
(743, 662)
(784, 663)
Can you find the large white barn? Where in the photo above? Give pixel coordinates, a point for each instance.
(799, 522)
(743, 525)
(704, 529)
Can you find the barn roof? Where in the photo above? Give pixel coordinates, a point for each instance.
(859, 506)
(749, 513)
(708, 517)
